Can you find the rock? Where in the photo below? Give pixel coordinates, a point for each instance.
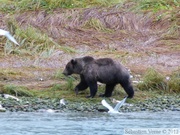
(101, 108)
(143, 109)
(2, 109)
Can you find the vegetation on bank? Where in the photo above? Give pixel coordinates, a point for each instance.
(25, 5)
(37, 43)
(153, 80)
(151, 85)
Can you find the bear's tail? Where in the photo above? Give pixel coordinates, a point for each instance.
(126, 84)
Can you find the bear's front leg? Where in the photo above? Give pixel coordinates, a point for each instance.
(93, 89)
(109, 90)
(81, 86)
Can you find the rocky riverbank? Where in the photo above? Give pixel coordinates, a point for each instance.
(29, 104)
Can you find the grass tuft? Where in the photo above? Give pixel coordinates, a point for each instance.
(69, 84)
(26, 5)
(174, 82)
(152, 80)
(96, 24)
(59, 75)
(17, 90)
(155, 5)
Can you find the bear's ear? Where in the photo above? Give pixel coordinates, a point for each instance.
(73, 61)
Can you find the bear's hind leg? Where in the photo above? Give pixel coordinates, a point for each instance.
(108, 91)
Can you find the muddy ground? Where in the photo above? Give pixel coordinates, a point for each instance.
(138, 40)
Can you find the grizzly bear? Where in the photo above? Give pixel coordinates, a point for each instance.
(104, 70)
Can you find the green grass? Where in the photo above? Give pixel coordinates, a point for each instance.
(174, 82)
(96, 24)
(26, 5)
(70, 83)
(155, 5)
(154, 81)
(58, 75)
(10, 73)
(36, 42)
(32, 42)
(32, 37)
(16, 90)
(154, 84)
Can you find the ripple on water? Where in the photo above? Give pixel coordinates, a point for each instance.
(12, 123)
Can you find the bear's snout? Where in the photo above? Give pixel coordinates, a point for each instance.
(65, 72)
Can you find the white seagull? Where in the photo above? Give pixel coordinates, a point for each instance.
(48, 110)
(62, 102)
(116, 108)
(8, 35)
(10, 96)
(2, 109)
(117, 101)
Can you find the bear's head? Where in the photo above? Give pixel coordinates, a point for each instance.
(76, 66)
(72, 67)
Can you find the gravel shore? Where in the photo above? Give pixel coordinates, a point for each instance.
(29, 104)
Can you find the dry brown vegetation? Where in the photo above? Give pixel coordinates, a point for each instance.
(138, 39)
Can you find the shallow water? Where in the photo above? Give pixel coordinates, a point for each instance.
(21, 123)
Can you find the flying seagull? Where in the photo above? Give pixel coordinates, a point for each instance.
(117, 101)
(8, 35)
(116, 108)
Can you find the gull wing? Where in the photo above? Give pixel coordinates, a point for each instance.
(10, 96)
(62, 102)
(11, 38)
(8, 35)
(3, 32)
(105, 104)
(118, 105)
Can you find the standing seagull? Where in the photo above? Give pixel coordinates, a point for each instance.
(116, 108)
(62, 102)
(8, 35)
(2, 109)
(10, 96)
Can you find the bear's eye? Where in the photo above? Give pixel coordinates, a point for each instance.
(68, 67)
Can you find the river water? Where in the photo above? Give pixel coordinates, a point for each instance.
(43, 123)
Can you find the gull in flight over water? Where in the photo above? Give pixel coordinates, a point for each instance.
(116, 108)
(117, 101)
(8, 35)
